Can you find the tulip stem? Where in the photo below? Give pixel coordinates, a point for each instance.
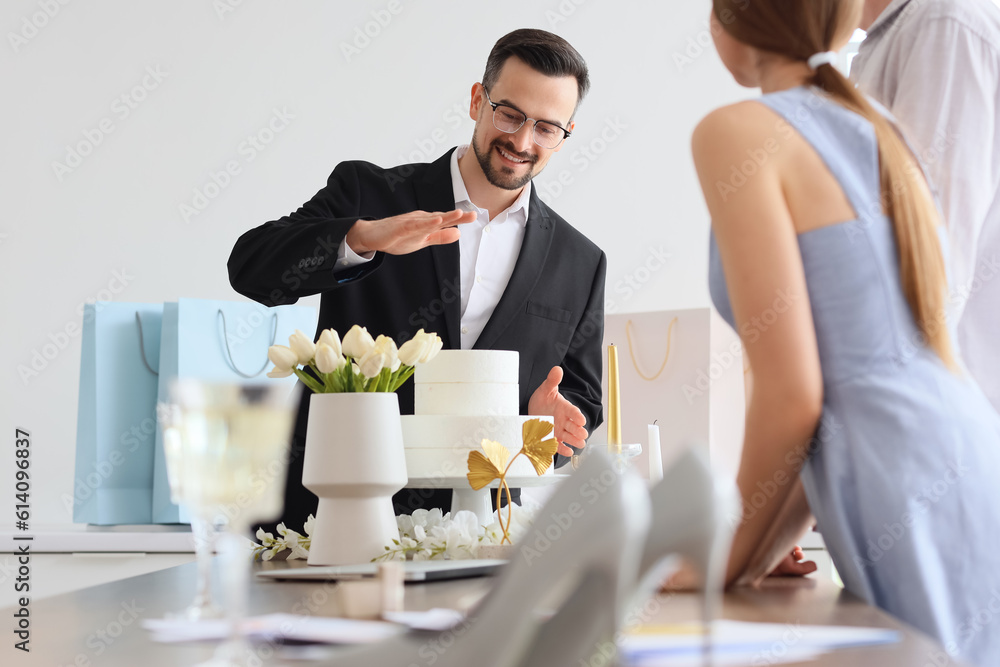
(349, 375)
(308, 380)
(402, 375)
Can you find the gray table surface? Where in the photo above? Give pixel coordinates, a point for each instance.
(100, 626)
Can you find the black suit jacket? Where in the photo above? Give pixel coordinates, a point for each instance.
(552, 311)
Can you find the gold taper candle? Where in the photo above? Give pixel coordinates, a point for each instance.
(614, 403)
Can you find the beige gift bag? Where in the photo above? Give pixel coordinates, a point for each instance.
(684, 370)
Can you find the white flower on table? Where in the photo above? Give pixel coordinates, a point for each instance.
(382, 355)
(420, 349)
(287, 540)
(327, 359)
(358, 342)
(283, 359)
(302, 346)
(332, 338)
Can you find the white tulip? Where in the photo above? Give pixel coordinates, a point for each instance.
(414, 349)
(303, 346)
(358, 342)
(435, 348)
(327, 358)
(372, 363)
(331, 338)
(282, 357)
(387, 346)
(279, 373)
(383, 354)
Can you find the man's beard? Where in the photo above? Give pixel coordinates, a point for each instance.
(504, 177)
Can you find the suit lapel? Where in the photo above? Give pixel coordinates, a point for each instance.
(528, 268)
(435, 193)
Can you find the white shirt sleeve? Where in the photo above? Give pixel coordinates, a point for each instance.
(946, 102)
(346, 258)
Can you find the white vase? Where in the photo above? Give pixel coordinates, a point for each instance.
(354, 462)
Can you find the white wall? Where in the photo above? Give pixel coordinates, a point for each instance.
(65, 237)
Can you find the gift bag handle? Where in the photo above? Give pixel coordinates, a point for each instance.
(142, 345)
(229, 353)
(631, 353)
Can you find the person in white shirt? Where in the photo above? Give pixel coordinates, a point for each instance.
(935, 64)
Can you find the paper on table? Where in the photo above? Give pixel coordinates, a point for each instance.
(276, 627)
(792, 655)
(434, 619)
(737, 642)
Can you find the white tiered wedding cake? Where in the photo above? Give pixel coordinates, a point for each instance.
(460, 398)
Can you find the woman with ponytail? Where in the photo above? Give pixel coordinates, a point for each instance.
(861, 418)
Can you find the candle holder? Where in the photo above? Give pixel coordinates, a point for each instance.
(621, 455)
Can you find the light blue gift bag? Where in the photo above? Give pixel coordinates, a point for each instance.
(218, 341)
(116, 417)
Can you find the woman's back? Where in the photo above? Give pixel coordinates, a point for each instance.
(903, 480)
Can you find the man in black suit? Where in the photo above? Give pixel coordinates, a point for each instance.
(385, 250)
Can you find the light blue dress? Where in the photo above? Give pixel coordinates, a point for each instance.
(904, 474)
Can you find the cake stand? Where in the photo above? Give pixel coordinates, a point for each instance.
(481, 502)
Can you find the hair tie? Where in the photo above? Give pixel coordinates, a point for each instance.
(822, 58)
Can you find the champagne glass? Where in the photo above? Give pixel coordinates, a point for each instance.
(233, 455)
(203, 528)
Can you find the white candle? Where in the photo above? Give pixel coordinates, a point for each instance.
(655, 456)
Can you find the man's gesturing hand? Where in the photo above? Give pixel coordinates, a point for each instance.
(569, 421)
(407, 232)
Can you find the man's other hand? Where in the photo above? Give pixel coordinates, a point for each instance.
(407, 232)
(569, 421)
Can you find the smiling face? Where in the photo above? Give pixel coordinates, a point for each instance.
(509, 161)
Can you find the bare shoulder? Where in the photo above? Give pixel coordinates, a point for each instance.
(732, 130)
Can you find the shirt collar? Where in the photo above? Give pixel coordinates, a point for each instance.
(887, 16)
(518, 211)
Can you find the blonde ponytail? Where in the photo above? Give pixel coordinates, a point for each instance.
(907, 201)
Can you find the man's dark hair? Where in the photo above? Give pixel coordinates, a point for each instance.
(542, 51)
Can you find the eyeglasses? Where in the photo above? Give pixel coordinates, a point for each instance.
(508, 119)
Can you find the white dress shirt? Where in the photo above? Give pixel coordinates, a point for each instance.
(488, 250)
(935, 64)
